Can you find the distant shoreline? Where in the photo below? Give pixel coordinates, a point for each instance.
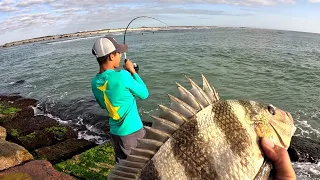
(106, 31)
(100, 31)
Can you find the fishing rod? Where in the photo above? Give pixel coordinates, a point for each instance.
(125, 32)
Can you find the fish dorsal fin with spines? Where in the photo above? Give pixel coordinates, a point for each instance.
(170, 119)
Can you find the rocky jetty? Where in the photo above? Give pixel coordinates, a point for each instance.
(25, 137)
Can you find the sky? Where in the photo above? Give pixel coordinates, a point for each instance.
(24, 19)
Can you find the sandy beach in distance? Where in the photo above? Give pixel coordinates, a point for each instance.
(95, 32)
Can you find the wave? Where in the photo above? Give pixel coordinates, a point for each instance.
(81, 38)
(117, 33)
(306, 171)
(70, 40)
(90, 137)
(304, 125)
(144, 111)
(39, 112)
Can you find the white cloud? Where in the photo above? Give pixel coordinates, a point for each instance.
(314, 1)
(7, 6)
(12, 5)
(68, 10)
(7, 9)
(234, 2)
(25, 3)
(28, 21)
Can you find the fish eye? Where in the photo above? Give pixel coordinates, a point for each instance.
(272, 109)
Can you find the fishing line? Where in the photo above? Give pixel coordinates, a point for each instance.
(125, 32)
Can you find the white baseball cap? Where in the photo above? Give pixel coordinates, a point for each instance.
(107, 45)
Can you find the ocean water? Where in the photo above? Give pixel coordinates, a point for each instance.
(276, 67)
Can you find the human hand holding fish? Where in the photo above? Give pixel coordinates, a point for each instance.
(280, 158)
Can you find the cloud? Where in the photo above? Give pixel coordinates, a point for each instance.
(25, 3)
(234, 2)
(314, 1)
(28, 21)
(90, 16)
(7, 6)
(12, 5)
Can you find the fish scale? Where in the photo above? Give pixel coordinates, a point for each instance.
(203, 137)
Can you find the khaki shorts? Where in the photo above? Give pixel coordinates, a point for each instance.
(122, 144)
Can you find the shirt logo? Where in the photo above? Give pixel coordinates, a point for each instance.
(113, 111)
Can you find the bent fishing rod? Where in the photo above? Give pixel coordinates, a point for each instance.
(125, 32)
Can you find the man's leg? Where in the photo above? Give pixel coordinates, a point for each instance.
(117, 143)
(130, 141)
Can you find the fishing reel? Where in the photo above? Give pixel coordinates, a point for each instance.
(135, 66)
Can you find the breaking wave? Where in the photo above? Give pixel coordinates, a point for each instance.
(305, 127)
(306, 171)
(70, 40)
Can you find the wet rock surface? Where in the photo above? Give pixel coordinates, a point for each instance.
(23, 127)
(44, 137)
(15, 107)
(17, 100)
(9, 97)
(63, 150)
(304, 150)
(37, 133)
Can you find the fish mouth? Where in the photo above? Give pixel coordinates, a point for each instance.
(293, 130)
(284, 129)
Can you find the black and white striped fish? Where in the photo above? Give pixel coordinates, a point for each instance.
(203, 137)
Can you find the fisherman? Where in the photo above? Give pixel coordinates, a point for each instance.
(115, 91)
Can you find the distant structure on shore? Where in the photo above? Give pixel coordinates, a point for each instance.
(100, 31)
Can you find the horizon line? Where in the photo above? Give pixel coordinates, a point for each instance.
(106, 30)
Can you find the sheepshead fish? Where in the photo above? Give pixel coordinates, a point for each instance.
(203, 137)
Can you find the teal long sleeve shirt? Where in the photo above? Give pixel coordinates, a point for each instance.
(115, 91)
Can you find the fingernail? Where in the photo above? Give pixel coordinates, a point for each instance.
(267, 142)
